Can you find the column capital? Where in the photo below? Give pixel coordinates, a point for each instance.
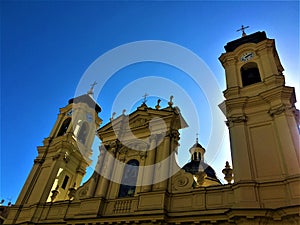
(236, 119)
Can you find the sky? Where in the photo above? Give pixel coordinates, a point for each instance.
(49, 48)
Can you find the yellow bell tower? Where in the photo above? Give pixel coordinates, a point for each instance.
(64, 157)
(261, 116)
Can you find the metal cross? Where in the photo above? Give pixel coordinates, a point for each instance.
(243, 30)
(91, 91)
(145, 97)
(93, 85)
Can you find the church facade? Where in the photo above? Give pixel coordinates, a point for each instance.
(137, 179)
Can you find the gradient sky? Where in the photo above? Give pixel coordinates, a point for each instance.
(46, 47)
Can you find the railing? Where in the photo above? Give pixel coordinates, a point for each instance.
(122, 206)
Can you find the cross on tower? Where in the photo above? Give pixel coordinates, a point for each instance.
(91, 91)
(243, 30)
(145, 97)
(197, 134)
(93, 84)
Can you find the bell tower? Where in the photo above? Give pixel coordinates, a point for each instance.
(260, 110)
(64, 156)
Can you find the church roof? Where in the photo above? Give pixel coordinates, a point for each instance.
(140, 117)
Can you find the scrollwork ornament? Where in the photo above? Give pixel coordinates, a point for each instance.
(143, 155)
(182, 181)
(66, 157)
(278, 110)
(39, 160)
(82, 193)
(175, 135)
(236, 119)
(56, 156)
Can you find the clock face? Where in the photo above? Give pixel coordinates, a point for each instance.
(247, 56)
(89, 117)
(70, 112)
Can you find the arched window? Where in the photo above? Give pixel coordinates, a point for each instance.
(250, 74)
(130, 174)
(83, 132)
(195, 156)
(64, 127)
(199, 156)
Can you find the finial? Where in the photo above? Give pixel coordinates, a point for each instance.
(55, 192)
(243, 30)
(158, 106)
(170, 103)
(123, 112)
(72, 192)
(228, 172)
(145, 97)
(197, 141)
(91, 91)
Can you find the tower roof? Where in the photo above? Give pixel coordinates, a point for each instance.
(86, 98)
(252, 38)
(197, 145)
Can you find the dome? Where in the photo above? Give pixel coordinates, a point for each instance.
(195, 166)
(197, 147)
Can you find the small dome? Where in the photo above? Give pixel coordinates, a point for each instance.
(195, 166)
(198, 146)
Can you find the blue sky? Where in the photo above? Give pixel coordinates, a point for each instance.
(46, 47)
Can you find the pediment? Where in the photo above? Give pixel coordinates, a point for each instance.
(141, 120)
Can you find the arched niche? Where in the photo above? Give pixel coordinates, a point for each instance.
(250, 74)
(83, 132)
(64, 127)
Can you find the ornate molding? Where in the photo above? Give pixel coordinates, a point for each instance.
(236, 119)
(174, 134)
(113, 147)
(83, 192)
(182, 180)
(143, 155)
(65, 156)
(139, 123)
(80, 170)
(278, 110)
(39, 160)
